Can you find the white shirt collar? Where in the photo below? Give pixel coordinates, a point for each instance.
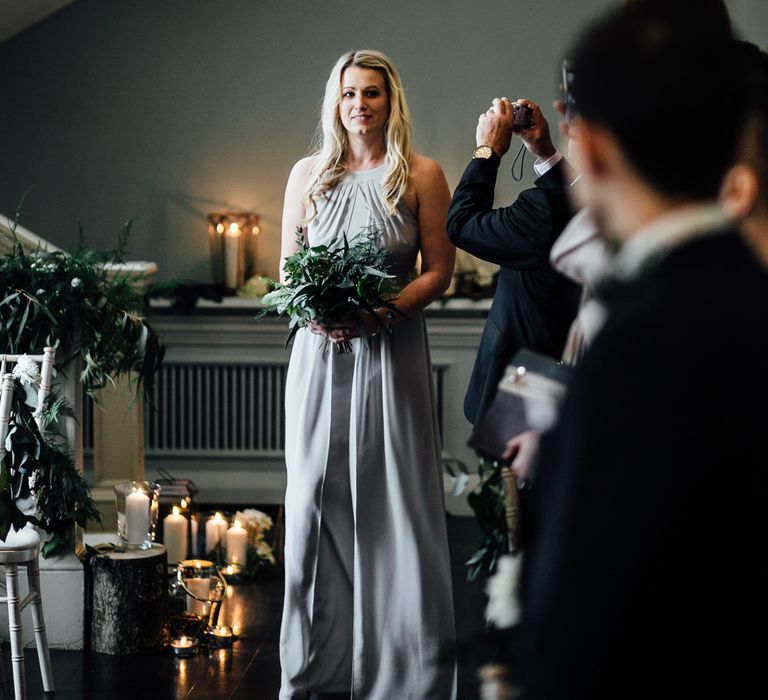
(664, 234)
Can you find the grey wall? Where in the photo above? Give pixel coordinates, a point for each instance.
(166, 110)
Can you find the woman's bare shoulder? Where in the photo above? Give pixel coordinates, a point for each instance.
(303, 167)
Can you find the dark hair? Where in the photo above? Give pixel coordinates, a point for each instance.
(692, 15)
(669, 92)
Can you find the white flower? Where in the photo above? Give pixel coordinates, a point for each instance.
(503, 609)
(255, 519)
(76, 282)
(28, 374)
(40, 292)
(27, 371)
(265, 551)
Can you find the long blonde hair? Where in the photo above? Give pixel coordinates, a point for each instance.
(332, 142)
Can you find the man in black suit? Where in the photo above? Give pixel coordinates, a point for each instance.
(533, 305)
(641, 578)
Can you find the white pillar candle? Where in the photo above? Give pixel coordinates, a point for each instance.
(237, 541)
(201, 587)
(231, 255)
(137, 517)
(215, 529)
(175, 536)
(193, 524)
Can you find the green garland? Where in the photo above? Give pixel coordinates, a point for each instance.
(72, 303)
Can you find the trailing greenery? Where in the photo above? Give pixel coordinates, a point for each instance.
(328, 283)
(70, 301)
(39, 482)
(487, 503)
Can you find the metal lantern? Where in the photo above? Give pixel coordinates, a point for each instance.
(204, 587)
(233, 237)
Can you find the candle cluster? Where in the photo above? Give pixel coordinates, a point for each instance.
(234, 539)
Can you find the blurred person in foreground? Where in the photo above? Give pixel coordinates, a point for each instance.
(580, 252)
(745, 189)
(640, 578)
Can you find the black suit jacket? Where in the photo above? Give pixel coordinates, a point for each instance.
(533, 305)
(642, 578)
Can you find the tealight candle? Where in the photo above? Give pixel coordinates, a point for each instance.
(221, 636)
(184, 646)
(237, 542)
(215, 529)
(175, 536)
(137, 517)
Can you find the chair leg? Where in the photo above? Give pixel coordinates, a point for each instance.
(14, 631)
(38, 623)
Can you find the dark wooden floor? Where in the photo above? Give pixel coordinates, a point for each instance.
(250, 669)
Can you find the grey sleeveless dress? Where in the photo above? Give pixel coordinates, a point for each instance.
(368, 602)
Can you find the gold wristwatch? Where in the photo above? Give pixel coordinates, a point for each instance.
(484, 152)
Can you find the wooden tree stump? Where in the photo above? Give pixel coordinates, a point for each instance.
(130, 601)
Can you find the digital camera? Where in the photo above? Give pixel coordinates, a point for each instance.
(523, 116)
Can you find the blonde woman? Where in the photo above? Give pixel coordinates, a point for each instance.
(368, 603)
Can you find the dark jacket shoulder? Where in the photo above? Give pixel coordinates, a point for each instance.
(518, 236)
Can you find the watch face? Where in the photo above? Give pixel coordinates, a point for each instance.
(482, 152)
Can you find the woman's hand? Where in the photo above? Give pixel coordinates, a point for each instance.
(344, 330)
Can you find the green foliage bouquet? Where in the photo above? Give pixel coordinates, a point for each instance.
(330, 283)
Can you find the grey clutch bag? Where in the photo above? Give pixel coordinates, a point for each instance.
(528, 398)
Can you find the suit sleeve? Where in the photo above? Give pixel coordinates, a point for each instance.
(518, 236)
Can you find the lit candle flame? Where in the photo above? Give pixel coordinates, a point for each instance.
(176, 510)
(219, 228)
(234, 228)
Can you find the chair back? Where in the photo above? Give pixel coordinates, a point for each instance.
(6, 377)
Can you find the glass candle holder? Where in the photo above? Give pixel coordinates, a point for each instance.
(204, 587)
(136, 503)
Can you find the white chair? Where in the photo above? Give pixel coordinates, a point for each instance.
(23, 547)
